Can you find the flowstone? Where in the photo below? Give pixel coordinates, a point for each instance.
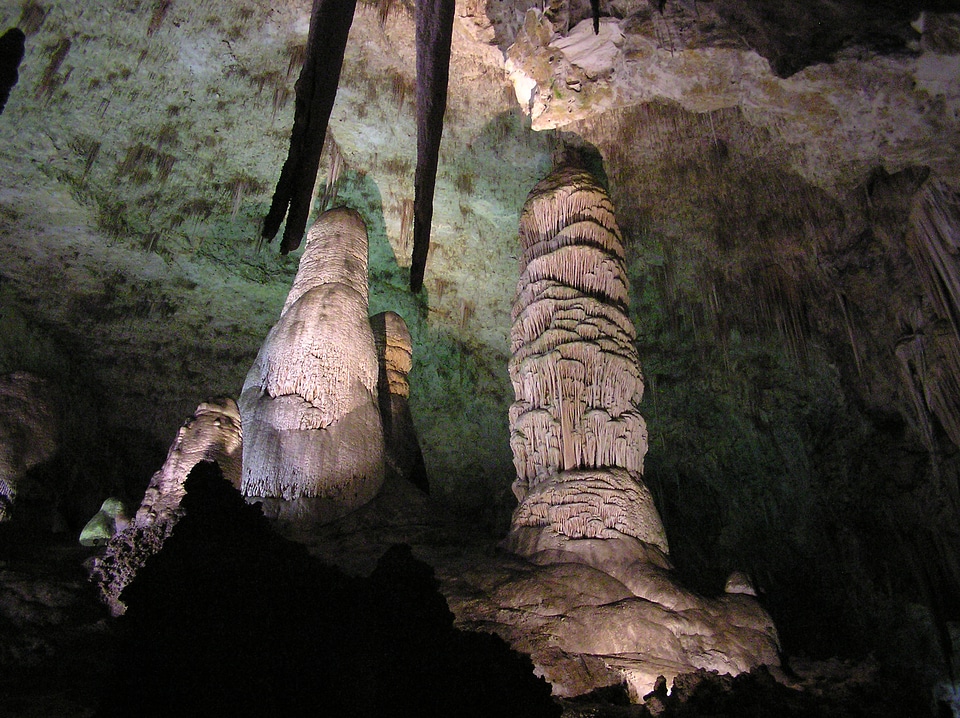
(313, 440)
(585, 517)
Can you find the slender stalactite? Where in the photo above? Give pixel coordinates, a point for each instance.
(330, 22)
(434, 35)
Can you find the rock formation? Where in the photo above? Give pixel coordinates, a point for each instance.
(213, 433)
(313, 440)
(110, 520)
(579, 442)
(28, 433)
(578, 439)
(395, 357)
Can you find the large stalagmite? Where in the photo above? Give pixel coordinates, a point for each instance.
(577, 436)
(313, 441)
(579, 442)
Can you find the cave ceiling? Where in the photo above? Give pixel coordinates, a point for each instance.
(142, 143)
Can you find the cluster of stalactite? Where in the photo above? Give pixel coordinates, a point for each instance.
(311, 419)
(316, 91)
(930, 360)
(578, 439)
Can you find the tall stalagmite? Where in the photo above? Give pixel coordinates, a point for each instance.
(313, 441)
(577, 436)
(585, 515)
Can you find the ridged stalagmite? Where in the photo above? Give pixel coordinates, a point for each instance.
(313, 441)
(578, 439)
(578, 443)
(395, 356)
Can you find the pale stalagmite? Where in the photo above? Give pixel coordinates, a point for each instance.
(313, 441)
(395, 356)
(578, 442)
(576, 373)
(213, 433)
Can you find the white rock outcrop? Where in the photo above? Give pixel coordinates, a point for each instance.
(313, 440)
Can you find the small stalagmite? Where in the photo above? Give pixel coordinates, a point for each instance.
(213, 433)
(395, 357)
(313, 440)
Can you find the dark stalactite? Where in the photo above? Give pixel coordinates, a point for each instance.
(11, 54)
(595, 8)
(330, 22)
(434, 20)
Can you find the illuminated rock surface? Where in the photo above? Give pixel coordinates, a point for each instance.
(395, 357)
(765, 160)
(213, 433)
(579, 443)
(313, 440)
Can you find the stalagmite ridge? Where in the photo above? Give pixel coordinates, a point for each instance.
(313, 441)
(213, 433)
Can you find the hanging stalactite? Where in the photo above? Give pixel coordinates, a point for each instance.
(434, 20)
(330, 22)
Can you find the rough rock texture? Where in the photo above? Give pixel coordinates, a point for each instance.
(105, 524)
(579, 442)
(395, 358)
(213, 433)
(313, 440)
(28, 433)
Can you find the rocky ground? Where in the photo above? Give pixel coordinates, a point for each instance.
(59, 646)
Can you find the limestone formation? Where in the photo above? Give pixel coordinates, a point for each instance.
(313, 440)
(110, 520)
(579, 442)
(395, 358)
(578, 439)
(28, 433)
(213, 433)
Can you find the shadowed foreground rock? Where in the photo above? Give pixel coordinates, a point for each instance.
(211, 434)
(229, 619)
